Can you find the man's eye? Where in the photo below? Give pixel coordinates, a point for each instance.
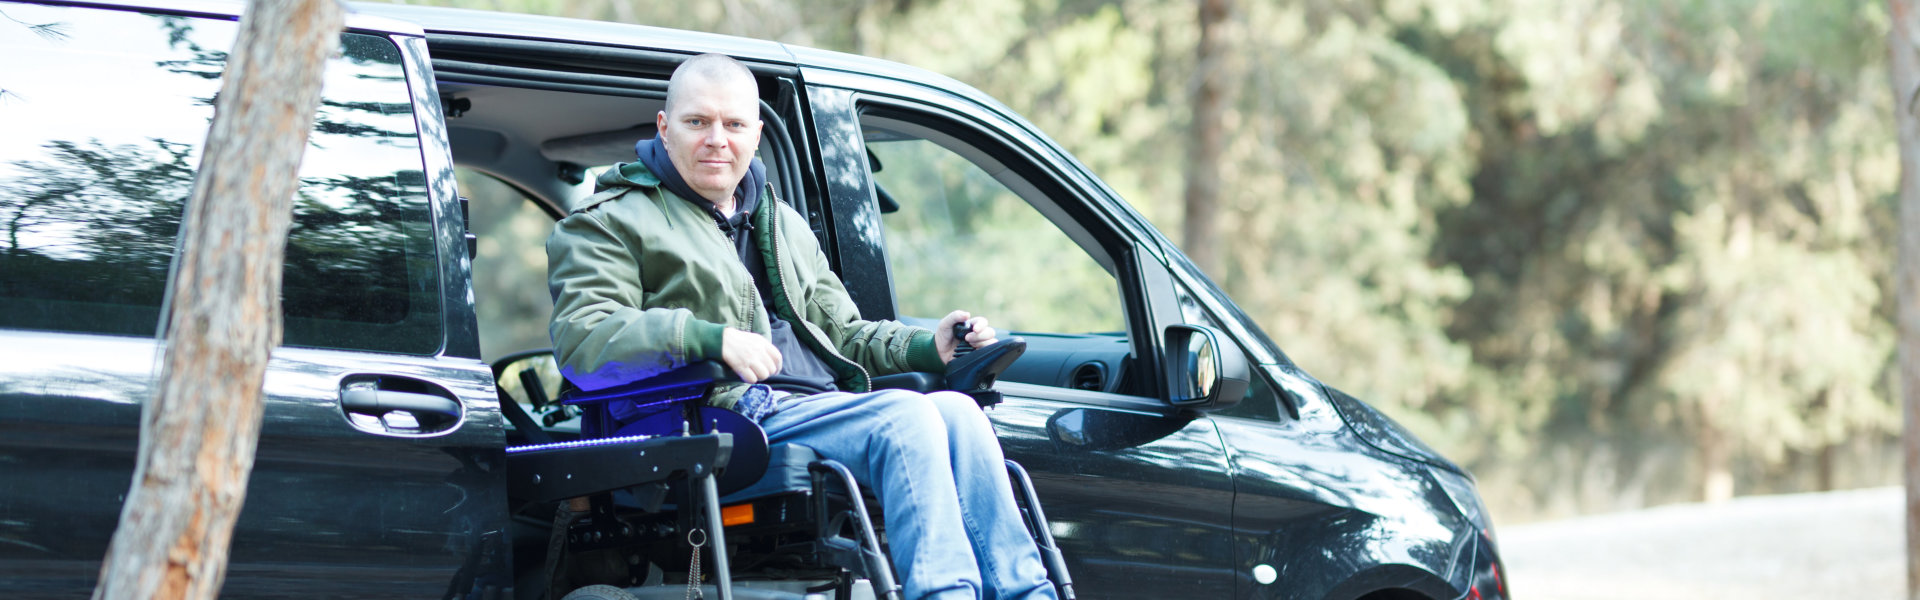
(696, 122)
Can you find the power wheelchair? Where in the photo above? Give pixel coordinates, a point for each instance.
(628, 512)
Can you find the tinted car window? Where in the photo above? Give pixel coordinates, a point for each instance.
(96, 168)
(1260, 401)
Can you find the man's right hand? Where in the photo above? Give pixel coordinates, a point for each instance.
(749, 354)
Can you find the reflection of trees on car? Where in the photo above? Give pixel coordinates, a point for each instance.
(324, 125)
(97, 223)
(204, 63)
(358, 51)
(339, 254)
(89, 225)
(53, 31)
(94, 222)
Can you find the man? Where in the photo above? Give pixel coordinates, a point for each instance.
(686, 255)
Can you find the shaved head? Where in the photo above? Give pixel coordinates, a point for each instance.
(711, 125)
(705, 70)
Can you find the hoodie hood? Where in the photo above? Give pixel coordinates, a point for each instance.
(746, 196)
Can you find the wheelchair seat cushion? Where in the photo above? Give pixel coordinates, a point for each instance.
(786, 472)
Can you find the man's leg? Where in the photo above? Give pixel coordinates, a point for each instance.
(896, 443)
(1009, 560)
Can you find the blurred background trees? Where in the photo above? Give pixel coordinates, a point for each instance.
(1607, 253)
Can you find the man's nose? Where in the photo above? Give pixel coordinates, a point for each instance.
(715, 137)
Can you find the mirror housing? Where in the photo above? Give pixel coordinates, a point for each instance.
(1205, 371)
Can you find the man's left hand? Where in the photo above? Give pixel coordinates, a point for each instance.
(981, 336)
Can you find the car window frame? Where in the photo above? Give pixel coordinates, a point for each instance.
(567, 66)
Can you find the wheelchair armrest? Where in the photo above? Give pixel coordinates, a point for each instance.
(918, 381)
(693, 378)
(977, 370)
(972, 374)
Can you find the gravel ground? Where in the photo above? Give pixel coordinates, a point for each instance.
(1831, 545)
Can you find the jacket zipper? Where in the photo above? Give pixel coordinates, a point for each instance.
(780, 285)
(751, 299)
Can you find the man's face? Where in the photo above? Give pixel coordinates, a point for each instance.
(712, 134)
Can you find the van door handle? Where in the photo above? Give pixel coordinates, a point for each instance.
(376, 402)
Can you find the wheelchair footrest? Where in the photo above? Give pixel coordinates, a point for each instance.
(550, 472)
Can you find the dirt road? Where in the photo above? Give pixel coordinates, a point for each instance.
(1841, 545)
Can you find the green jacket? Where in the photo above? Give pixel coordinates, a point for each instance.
(644, 281)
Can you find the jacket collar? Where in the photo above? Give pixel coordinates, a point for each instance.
(746, 194)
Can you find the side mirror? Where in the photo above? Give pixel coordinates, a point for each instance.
(1205, 371)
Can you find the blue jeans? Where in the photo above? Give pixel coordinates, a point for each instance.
(934, 462)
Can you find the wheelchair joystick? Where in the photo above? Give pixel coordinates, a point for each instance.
(960, 345)
(973, 372)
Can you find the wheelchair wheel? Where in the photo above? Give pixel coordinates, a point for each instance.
(599, 592)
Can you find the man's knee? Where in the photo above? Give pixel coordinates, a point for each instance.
(966, 424)
(909, 413)
(957, 408)
(951, 401)
(917, 418)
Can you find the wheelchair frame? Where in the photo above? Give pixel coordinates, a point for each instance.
(845, 545)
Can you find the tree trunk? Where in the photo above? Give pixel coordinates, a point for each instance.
(1905, 70)
(198, 433)
(1199, 230)
(1825, 456)
(1824, 470)
(1716, 454)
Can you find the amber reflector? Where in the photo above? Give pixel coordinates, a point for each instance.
(738, 514)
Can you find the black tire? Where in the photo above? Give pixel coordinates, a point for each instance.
(599, 592)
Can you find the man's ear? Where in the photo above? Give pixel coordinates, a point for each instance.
(660, 124)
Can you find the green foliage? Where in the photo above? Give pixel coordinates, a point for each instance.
(1671, 238)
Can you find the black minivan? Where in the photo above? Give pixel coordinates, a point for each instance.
(395, 282)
